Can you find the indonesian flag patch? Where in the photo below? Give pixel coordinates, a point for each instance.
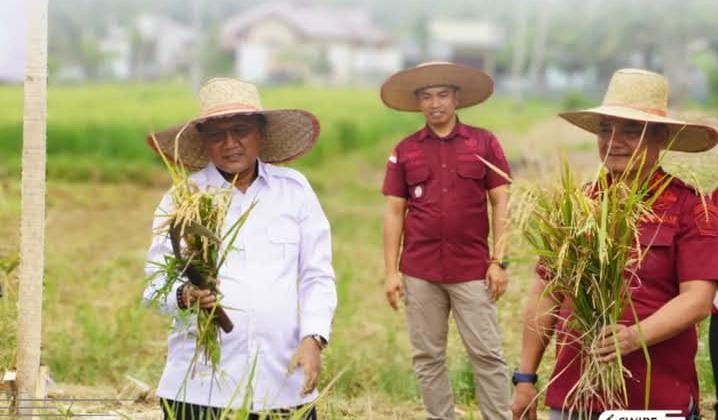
(392, 158)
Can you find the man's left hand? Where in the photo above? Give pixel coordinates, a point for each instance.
(308, 356)
(628, 341)
(496, 280)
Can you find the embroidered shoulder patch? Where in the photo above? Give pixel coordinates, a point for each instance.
(471, 144)
(706, 218)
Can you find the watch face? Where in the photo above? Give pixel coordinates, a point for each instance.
(320, 340)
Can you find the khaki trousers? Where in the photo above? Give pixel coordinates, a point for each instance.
(428, 305)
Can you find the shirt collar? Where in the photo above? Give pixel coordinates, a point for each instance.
(262, 173)
(459, 129)
(216, 179)
(658, 181)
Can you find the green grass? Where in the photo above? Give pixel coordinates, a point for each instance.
(8, 309)
(104, 183)
(97, 132)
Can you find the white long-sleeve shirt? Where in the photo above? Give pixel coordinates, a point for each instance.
(278, 286)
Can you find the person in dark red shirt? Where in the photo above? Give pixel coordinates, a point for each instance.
(675, 283)
(713, 334)
(437, 184)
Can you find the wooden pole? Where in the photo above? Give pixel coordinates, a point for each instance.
(32, 221)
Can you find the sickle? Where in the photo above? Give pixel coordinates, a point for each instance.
(194, 276)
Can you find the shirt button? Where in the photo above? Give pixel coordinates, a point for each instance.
(443, 165)
(446, 189)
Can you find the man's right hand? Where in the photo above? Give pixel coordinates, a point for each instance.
(191, 294)
(394, 289)
(524, 405)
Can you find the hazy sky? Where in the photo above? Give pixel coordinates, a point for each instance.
(12, 40)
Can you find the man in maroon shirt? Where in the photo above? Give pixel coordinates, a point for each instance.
(672, 289)
(436, 187)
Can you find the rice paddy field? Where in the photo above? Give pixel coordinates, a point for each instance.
(103, 185)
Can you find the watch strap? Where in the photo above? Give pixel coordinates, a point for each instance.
(519, 377)
(321, 341)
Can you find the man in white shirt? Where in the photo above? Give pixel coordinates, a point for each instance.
(277, 285)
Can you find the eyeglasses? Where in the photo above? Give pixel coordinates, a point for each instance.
(628, 130)
(238, 132)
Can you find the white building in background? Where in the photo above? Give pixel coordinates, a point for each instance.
(465, 41)
(171, 43)
(153, 47)
(300, 41)
(12, 41)
(117, 48)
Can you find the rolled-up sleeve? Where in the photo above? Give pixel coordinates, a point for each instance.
(317, 287)
(698, 241)
(394, 181)
(159, 248)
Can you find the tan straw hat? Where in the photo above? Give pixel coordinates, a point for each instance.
(642, 95)
(288, 134)
(399, 90)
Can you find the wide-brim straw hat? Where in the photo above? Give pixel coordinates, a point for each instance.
(642, 95)
(399, 90)
(288, 134)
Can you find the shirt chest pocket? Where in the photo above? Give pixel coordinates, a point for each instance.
(471, 179)
(656, 242)
(282, 241)
(417, 179)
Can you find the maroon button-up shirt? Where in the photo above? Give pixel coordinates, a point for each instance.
(445, 183)
(680, 246)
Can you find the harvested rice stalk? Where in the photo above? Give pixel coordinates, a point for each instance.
(200, 246)
(587, 240)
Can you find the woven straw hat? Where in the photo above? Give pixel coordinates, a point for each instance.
(288, 134)
(399, 90)
(642, 95)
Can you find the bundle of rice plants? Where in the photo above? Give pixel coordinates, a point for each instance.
(586, 238)
(200, 242)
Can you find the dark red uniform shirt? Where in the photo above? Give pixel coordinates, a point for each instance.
(445, 183)
(681, 246)
(715, 202)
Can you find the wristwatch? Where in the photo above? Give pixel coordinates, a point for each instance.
(503, 263)
(519, 377)
(321, 341)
